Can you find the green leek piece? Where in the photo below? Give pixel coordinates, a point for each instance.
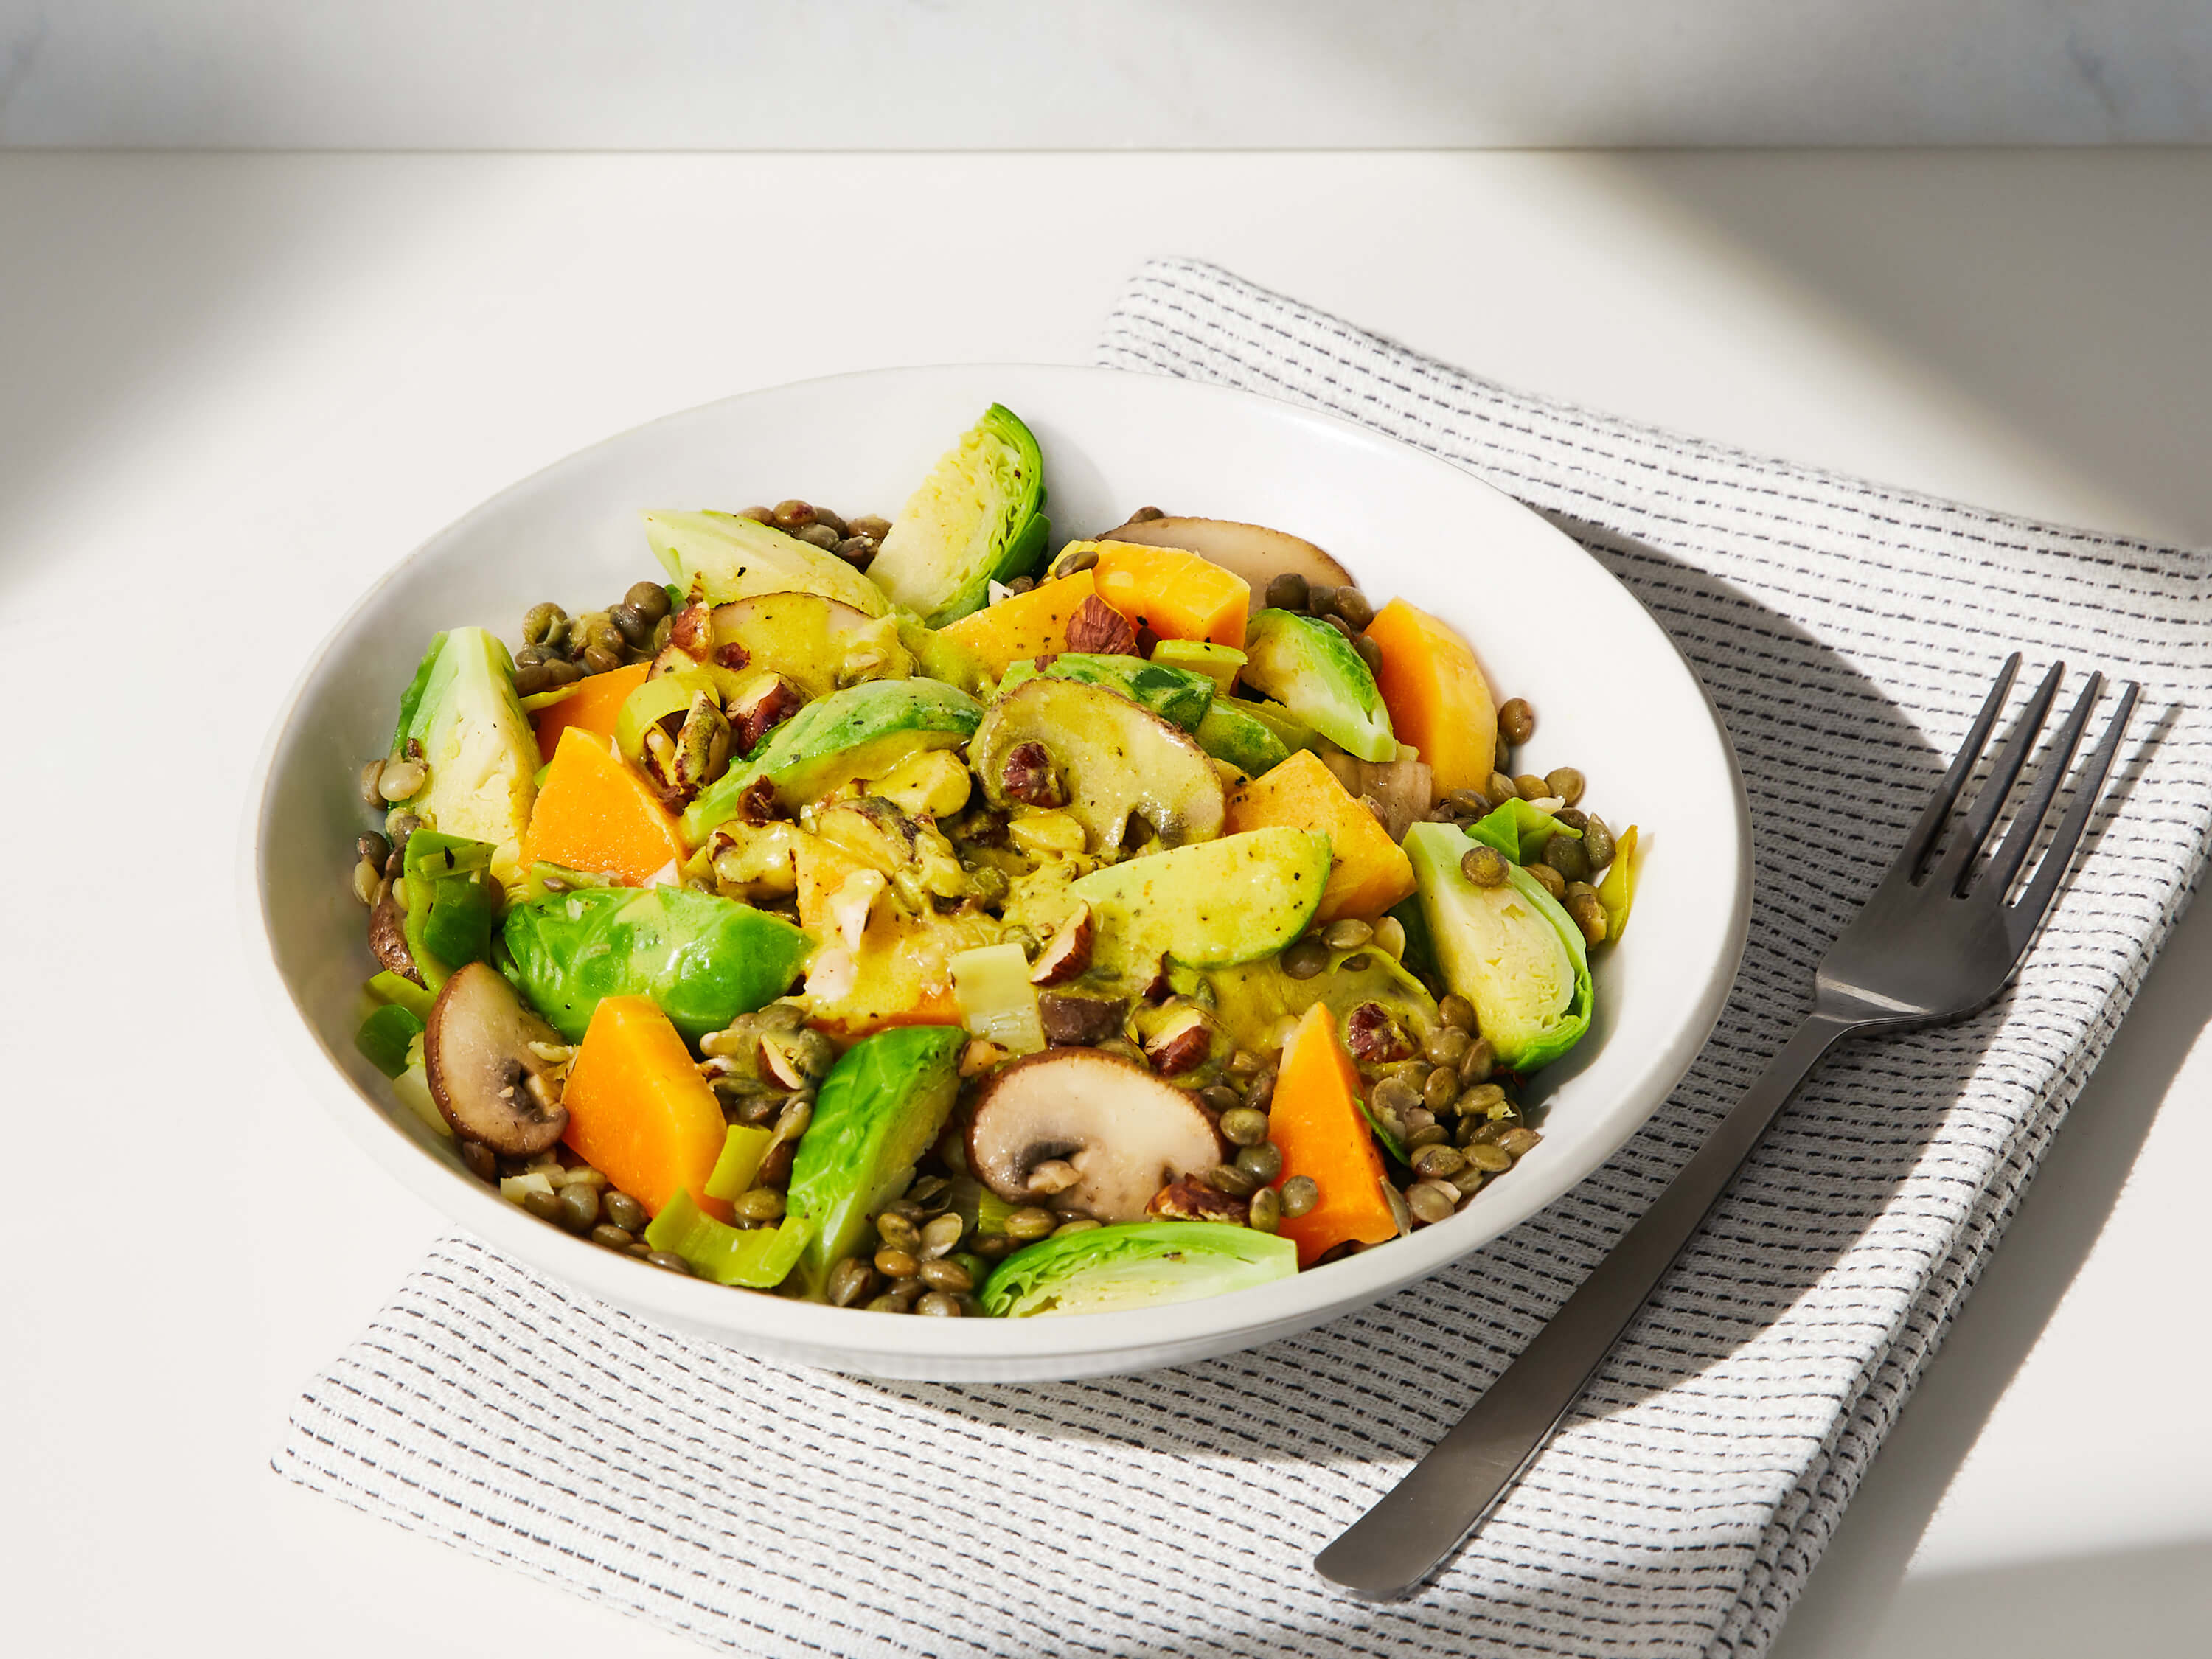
(1294, 732)
(458, 929)
(432, 853)
(1176, 695)
(383, 1036)
(1520, 830)
(1143, 1265)
(412, 1090)
(744, 1146)
(758, 1260)
(451, 902)
(1617, 892)
(537, 700)
(388, 986)
(1229, 734)
(997, 1001)
(652, 703)
(941, 657)
(991, 1214)
(1220, 663)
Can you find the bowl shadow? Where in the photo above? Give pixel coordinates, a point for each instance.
(1835, 772)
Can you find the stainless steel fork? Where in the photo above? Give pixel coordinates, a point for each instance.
(1937, 940)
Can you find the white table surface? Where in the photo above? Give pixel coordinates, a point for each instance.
(233, 389)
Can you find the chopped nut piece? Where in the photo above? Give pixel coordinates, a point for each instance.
(1069, 952)
(980, 1055)
(1028, 776)
(776, 702)
(1193, 1200)
(1374, 1037)
(1182, 1042)
(1097, 627)
(757, 805)
(693, 630)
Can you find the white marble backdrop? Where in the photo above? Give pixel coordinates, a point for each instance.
(1099, 73)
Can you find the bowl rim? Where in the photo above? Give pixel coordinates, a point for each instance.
(850, 1340)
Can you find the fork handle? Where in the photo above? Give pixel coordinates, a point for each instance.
(1396, 1545)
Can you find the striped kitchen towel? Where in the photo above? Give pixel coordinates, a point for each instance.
(1846, 633)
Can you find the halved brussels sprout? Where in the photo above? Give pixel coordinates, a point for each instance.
(1304, 663)
(1144, 1265)
(718, 557)
(977, 519)
(1509, 950)
(1061, 743)
(475, 740)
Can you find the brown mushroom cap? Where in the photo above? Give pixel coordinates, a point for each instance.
(1126, 1133)
(1250, 550)
(486, 1080)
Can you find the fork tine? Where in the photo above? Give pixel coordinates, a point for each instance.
(2012, 852)
(2028, 909)
(1921, 840)
(1958, 862)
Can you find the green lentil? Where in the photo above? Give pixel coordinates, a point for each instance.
(1243, 1127)
(1263, 1162)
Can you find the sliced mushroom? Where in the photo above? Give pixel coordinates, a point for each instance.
(1123, 1132)
(1110, 757)
(1253, 551)
(488, 1082)
(387, 935)
(1069, 952)
(1403, 790)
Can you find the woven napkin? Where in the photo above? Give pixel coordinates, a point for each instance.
(1847, 633)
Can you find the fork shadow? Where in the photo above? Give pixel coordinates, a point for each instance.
(1795, 709)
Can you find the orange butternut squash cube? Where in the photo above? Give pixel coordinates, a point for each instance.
(639, 1112)
(1178, 595)
(1438, 699)
(1317, 1123)
(1023, 625)
(1367, 872)
(594, 813)
(591, 707)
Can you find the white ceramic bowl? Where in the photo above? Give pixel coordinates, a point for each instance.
(1612, 697)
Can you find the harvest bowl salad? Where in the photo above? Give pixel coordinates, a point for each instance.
(909, 915)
